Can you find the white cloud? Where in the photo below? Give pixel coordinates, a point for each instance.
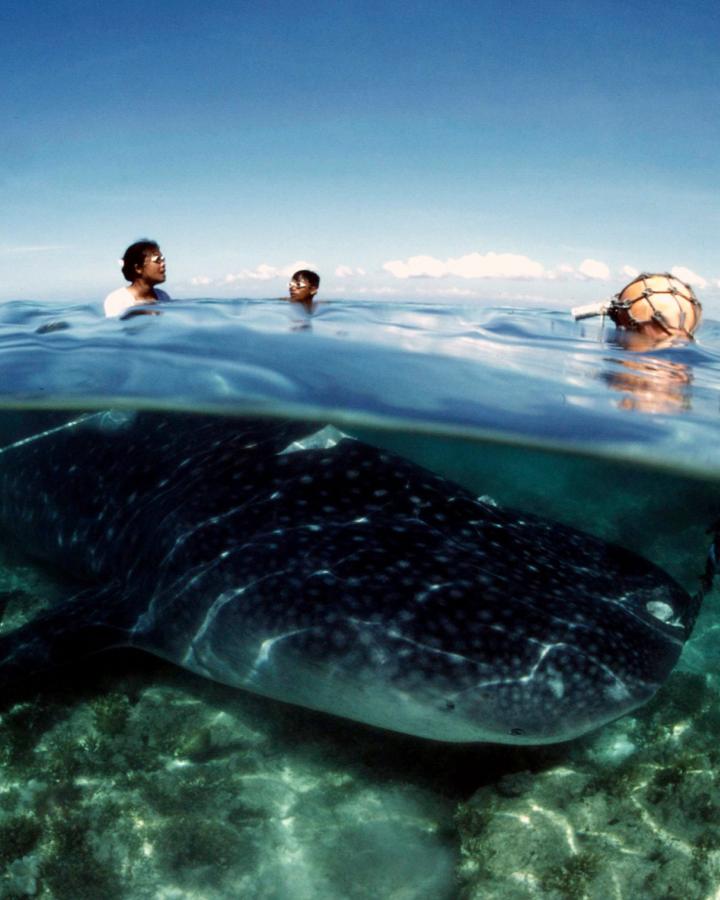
(416, 267)
(496, 265)
(348, 271)
(689, 276)
(592, 268)
(291, 268)
(630, 271)
(563, 272)
(200, 280)
(472, 265)
(265, 272)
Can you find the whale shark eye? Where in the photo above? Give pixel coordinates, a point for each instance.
(662, 611)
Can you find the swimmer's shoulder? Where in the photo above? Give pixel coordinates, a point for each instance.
(118, 301)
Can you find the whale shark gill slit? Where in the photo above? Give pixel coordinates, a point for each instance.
(287, 559)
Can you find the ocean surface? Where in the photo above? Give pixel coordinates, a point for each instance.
(129, 778)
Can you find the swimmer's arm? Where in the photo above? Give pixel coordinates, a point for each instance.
(130, 313)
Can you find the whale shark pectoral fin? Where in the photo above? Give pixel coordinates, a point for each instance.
(92, 620)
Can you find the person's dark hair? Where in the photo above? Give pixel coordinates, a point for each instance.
(135, 256)
(312, 278)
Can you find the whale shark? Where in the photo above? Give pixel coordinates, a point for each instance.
(293, 561)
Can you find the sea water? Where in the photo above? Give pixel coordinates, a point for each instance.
(129, 778)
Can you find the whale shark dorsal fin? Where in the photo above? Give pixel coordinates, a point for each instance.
(324, 439)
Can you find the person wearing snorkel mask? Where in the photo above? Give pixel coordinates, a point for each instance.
(654, 307)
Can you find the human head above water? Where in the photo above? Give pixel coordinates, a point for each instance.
(659, 305)
(303, 286)
(312, 278)
(135, 256)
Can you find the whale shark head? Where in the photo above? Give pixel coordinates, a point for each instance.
(457, 668)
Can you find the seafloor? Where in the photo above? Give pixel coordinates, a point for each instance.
(128, 778)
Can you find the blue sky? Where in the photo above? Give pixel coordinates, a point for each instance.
(507, 152)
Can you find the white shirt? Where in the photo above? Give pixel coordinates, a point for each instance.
(119, 301)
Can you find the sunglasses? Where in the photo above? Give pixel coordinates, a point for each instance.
(156, 258)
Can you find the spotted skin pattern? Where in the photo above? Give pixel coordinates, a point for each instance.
(338, 577)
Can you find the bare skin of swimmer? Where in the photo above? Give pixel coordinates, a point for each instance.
(150, 273)
(302, 290)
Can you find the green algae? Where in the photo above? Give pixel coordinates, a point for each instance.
(111, 712)
(197, 852)
(18, 836)
(571, 878)
(73, 869)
